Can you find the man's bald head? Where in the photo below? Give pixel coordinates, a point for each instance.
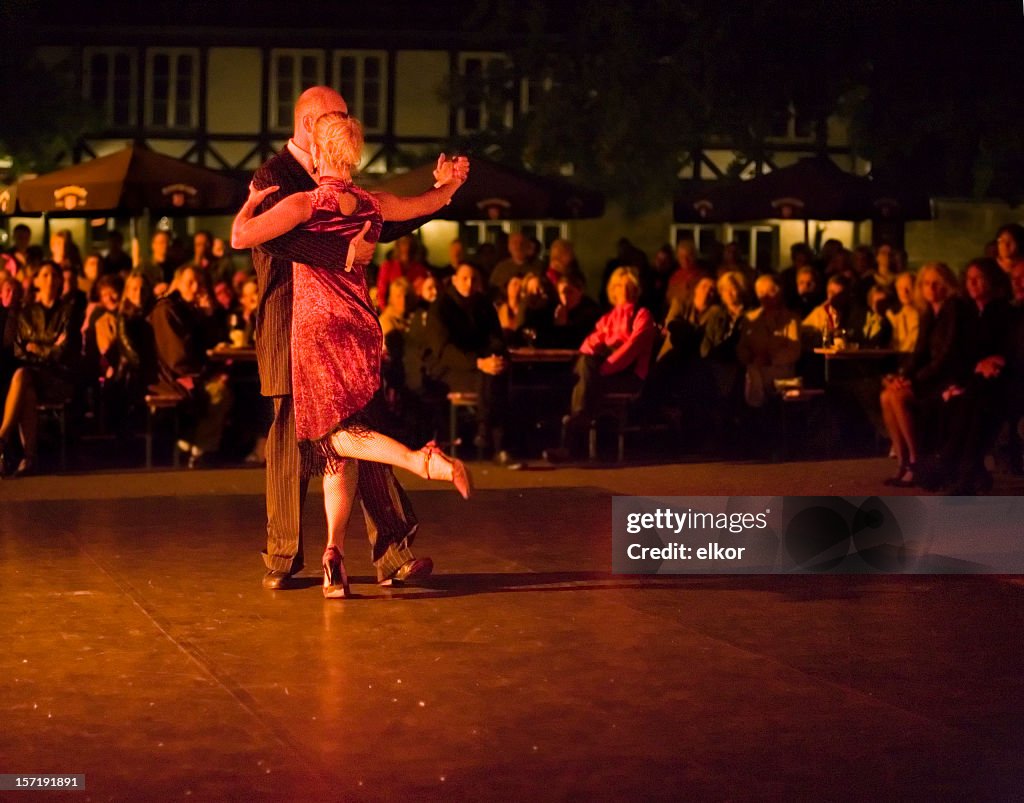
(314, 102)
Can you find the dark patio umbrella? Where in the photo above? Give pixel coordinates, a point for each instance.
(130, 182)
(496, 192)
(814, 188)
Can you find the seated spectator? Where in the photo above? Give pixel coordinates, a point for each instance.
(421, 403)
(833, 314)
(808, 292)
(722, 334)
(536, 309)
(562, 262)
(909, 400)
(906, 319)
(801, 256)
(732, 260)
(100, 334)
(64, 251)
(975, 407)
(769, 344)
(573, 319)
(159, 268)
(616, 356)
(508, 308)
(21, 237)
(181, 337)
(456, 256)
(887, 267)
(673, 374)
(223, 266)
(11, 296)
(1017, 283)
(227, 311)
(1010, 246)
(92, 269)
(47, 344)
(466, 353)
(116, 259)
(136, 349)
(687, 274)
(654, 284)
(517, 263)
(202, 251)
(405, 263)
(27, 274)
(249, 303)
(871, 329)
(686, 322)
(393, 324)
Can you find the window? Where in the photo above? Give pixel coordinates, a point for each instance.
(487, 90)
(758, 244)
(704, 237)
(361, 78)
(291, 72)
(475, 233)
(172, 91)
(531, 92)
(547, 231)
(110, 84)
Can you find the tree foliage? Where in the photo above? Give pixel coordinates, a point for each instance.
(42, 113)
(636, 86)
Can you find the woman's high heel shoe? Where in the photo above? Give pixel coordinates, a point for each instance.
(904, 477)
(441, 467)
(335, 577)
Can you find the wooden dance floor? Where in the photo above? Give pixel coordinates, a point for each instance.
(140, 650)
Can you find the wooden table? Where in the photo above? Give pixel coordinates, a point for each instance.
(532, 355)
(854, 354)
(229, 354)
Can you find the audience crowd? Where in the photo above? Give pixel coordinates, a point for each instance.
(701, 341)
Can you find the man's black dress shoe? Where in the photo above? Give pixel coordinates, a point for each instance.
(277, 581)
(410, 571)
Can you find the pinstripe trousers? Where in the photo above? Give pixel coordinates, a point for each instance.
(390, 522)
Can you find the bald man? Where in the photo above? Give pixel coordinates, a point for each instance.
(390, 521)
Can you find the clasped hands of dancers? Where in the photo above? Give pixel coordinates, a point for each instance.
(336, 340)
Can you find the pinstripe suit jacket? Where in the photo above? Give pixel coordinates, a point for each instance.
(273, 263)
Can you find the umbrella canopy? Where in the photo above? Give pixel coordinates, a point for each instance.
(814, 188)
(496, 192)
(129, 182)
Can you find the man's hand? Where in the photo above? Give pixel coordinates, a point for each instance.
(256, 196)
(360, 252)
(493, 365)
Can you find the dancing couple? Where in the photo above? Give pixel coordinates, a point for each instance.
(313, 232)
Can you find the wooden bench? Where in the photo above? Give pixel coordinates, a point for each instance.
(154, 403)
(456, 400)
(58, 411)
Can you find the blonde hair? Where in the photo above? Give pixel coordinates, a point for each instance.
(736, 279)
(944, 272)
(339, 139)
(630, 279)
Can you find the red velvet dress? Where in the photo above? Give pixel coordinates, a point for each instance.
(336, 336)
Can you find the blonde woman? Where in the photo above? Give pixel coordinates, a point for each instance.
(336, 337)
(617, 354)
(906, 321)
(939, 360)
